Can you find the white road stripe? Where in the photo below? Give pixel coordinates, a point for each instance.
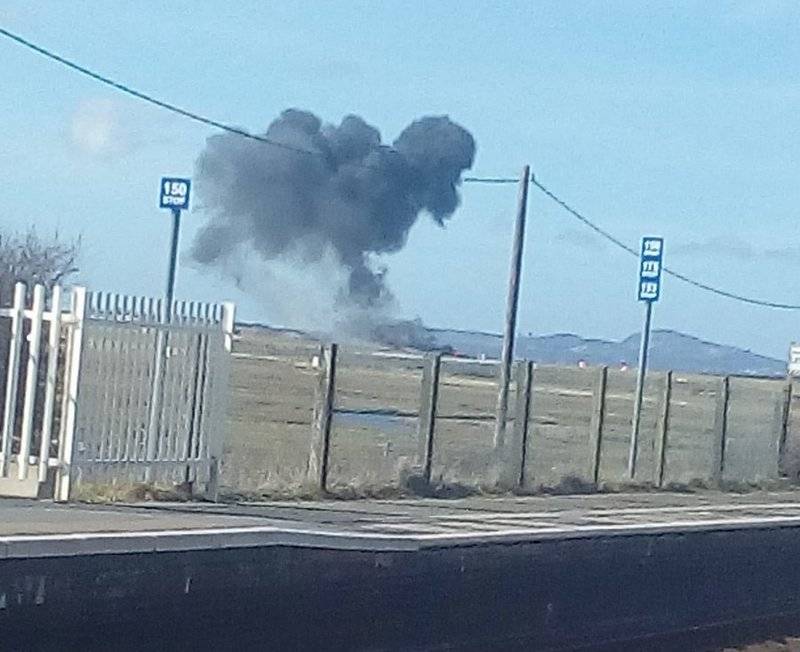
(707, 508)
(356, 534)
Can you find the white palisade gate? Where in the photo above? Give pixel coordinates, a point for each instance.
(108, 389)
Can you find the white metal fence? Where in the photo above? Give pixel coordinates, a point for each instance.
(108, 389)
(32, 437)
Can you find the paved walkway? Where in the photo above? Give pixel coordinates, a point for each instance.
(31, 528)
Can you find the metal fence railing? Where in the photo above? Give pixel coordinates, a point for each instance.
(111, 389)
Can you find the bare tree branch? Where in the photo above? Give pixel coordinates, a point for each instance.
(33, 259)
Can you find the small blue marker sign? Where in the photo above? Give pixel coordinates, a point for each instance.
(175, 193)
(650, 266)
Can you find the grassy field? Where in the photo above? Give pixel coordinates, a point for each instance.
(374, 430)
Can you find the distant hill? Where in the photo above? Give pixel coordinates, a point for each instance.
(668, 350)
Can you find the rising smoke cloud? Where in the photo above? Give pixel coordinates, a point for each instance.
(355, 198)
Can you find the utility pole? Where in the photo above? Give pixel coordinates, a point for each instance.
(509, 333)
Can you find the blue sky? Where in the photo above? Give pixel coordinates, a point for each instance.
(677, 119)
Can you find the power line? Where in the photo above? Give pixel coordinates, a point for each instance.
(155, 101)
(605, 234)
(495, 180)
(472, 179)
(632, 251)
(681, 277)
(128, 90)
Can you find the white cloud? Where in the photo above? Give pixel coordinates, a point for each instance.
(96, 128)
(736, 249)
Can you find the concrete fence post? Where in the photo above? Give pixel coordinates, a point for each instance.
(319, 455)
(596, 425)
(515, 452)
(785, 418)
(426, 421)
(720, 430)
(662, 433)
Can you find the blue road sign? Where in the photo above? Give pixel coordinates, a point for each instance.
(175, 193)
(650, 265)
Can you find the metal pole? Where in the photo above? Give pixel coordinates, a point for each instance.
(12, 377)
(644, 346)
(162, 342)
(173, 260)
(31, 382)
(511, 312)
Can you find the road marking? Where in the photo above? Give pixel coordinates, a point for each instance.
(357, 534)
(602, 511)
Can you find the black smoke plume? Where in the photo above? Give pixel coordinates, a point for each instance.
(353, 195)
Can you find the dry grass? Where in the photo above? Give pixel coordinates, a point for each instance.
(134, 492)
(269, 426)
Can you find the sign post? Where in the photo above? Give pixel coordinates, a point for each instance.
(175, 196)
(650, 266)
